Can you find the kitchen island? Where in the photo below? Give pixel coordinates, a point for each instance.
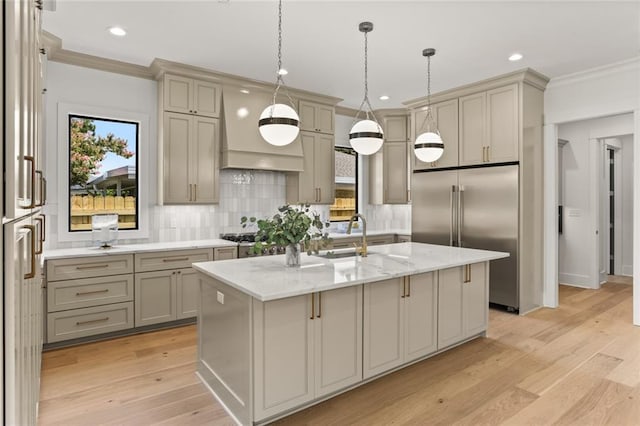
(273, 340)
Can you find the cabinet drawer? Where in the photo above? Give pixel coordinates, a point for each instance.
(74, 294)
(224, 253)
(89, 267)
(84, 322)
(158, 261)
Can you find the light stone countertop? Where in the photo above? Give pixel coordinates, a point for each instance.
(267, 278)
(357, 232)
(135, 248)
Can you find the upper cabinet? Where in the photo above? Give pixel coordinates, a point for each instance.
(316, 184)
(489, 126)
(191, 96)
(389, 168)
(445, 114)
(315, 117)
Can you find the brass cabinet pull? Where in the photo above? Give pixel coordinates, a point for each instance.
(44, 227)
(488, 153)
(32, 272)
(195, 192)
(190, 189)
(484, 151)
(39, 219)
(319, 194)
(176, 259)
(467, 273)
(319, 305)
(404, 288)
(84, 293)
(105, 265)
(44, 190)
(32, 202)
(408, 286)
(313, 306)
(92, 321)
(41, 199)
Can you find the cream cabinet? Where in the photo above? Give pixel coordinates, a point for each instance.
(445, 115)
(190, 159)
(315, 117)
(389, 168)
(400, 322)
(463, 303)
(225, 253)
(306, 347)
(191, 96)
(489, 126)
(316, 184)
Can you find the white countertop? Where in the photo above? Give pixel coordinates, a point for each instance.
(267, 278)
(357, 232)
(135, 248)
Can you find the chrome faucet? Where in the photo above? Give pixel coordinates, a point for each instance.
(363, 248)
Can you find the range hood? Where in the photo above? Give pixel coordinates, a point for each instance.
(242, 145)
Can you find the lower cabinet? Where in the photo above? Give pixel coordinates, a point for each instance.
(400, 322)
(463, 302)
(306, 347)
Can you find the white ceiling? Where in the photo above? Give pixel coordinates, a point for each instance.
(324, 51)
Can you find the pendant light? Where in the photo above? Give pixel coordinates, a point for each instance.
(366, 135)
(279, 124)
(428, 146)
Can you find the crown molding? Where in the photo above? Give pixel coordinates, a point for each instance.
(632, 64)
(343, 110)
(527, 75)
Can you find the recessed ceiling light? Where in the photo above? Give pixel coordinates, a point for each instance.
(384, 98)
(515, 57)
(283, 71)
(245, 91)
(118, 31)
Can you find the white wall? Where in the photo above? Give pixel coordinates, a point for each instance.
(577, 245)
(627, 205)
(606, 91)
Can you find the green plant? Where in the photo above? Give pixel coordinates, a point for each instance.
(290, 225)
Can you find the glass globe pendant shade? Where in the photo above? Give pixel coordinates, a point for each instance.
(428, 147)
(279, 124)
(366, 137)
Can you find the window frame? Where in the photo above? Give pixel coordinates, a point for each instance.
(65, 111)
(351, 151)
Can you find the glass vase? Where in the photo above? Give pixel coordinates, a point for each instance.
(292, 254)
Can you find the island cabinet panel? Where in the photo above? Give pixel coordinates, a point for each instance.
(155, 300)
(306, 347)
(283, 344)
(463, 303)
(421, 316)
(383, 337)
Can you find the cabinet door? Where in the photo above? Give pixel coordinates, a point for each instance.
(187, 291)
(316, 117)
(177, 94)
(177, 146)
(283, 346)
(502, 124)
(445, 115)
(421, 316)
(450, 307)
(395, 172)
(204, 160)
(324, 119)
(324, 168)
(395, 128)
(472, 129)
(155, 297)
(338, 339)
(476, 301)
(307, 191)
(383, 324)
(206, 98)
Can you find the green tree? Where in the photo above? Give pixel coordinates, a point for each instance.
(88, 149)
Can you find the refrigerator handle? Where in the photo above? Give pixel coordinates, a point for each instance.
(452, 220)
(460, 215)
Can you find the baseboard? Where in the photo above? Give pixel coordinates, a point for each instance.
(627, 270)
(574, 280)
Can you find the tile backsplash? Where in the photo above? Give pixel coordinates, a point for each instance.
(242, 193)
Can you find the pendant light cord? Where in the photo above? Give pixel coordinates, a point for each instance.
(429, 117)
(279, 79)
(365, 102)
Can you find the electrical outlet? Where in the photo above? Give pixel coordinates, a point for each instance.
(220, 298)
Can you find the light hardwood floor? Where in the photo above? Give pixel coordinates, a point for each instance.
(575, 365)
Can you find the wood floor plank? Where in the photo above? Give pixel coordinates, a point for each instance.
(498, 409)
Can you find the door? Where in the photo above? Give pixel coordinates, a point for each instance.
(307, 192)
(445, 115)
(432, 211)
(488, 219)
(383, 338)
(177, 151)
(204, 161)
(206, 97)
(177, 94)
(475, 303)
(472, 131)
(421, 316)
(338, 339)
(324, 171)
(155, 297)
(395, 175)
(187, 292)
(502, 124)
(450, 307)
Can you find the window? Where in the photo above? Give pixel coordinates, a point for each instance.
(346, 196)
(103, 171)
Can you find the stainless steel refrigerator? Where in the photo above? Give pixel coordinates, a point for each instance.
(475, 208)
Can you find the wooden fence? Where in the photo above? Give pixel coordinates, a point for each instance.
(84, 206)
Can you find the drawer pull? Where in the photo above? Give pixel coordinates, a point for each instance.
(92, 321)
(176, 259)
(84, 293)
(92, 267)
